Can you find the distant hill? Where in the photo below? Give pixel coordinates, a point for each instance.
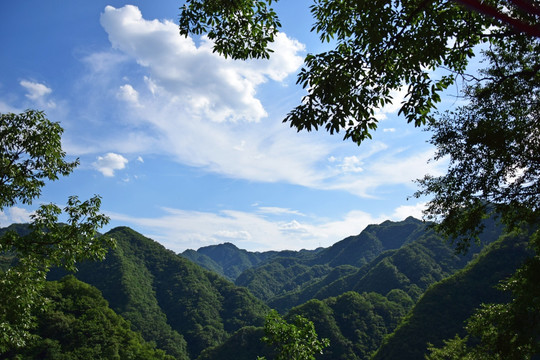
(168, 298)
(406, 254)
(356, 292)
(358, 323)
(443, 309)
(228, 260)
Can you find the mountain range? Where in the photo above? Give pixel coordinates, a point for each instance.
(382, 294)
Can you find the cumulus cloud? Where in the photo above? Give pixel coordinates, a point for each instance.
(14, 215)
(37, 92)
(202, 110)
(404, 211)
(129, 94)
(213, 87)
(109, 163)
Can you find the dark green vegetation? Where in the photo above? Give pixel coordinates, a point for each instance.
(357, 293)
(78, 324)
(30, 154)
(404, 255)
(444, 309)
(491, 141)
(169, 299)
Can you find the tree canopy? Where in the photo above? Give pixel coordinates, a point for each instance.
(421, 46)
(295, 341)
(31, 153)
(380, 47)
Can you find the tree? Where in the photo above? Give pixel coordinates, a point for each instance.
(30, 153)
(492, 145)
(296, 341)
(492, 142)
(381, 47)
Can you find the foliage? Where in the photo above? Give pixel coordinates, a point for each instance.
(240, 28)
(30, 153)
(294, 341)
(380, 48)
(508, 330)
(170, 300)
(492, 144)
(444, 308)
(77, 323)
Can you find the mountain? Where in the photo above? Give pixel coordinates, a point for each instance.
(226, 259)
(357, 292)
(406, 255)
(443, 309)
(291, 272)
(357, 324)
(79, 324)
(169, 299)
(229, 261)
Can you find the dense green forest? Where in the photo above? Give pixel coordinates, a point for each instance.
(397, 284)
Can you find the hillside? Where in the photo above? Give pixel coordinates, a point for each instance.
(356, 292)
(79, 324)
(443, 309)
(405, 255)
(358, 323)
(168, 298)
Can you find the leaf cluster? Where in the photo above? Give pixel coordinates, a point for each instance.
(240, 29)
(297, 340)
(492, 146)
(30, 153)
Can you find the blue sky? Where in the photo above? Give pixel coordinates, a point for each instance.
(187, 147)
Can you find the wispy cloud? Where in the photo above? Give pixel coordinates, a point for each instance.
(181, 229)
(14, 214)
(200, 109)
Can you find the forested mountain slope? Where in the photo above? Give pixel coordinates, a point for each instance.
(357, 323)
(79, 324)
(407, 255)
(292, 272)
(168, 298)
(230, 261)
(443, 309)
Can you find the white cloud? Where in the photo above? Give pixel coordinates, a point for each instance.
(404, 211)
(202, 110)
(35, 90)
(352, 164)
(109, 163)
(38, 92)
(211, 86)
(393, 167)
(14, 215)
(181, 229)
(398, 96)
(129, 94)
